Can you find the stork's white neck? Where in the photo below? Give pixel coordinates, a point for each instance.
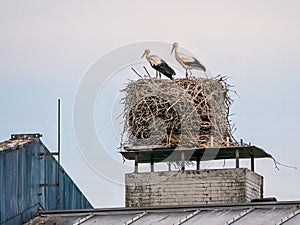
(148, 56)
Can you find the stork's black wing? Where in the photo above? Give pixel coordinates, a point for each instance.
(165, 69)
(196, 64)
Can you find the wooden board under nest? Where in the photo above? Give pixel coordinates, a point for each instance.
(184, 113)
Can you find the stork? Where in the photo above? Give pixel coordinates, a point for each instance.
(159, 65)
(186, 61)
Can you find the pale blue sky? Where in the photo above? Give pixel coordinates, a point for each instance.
(47, 46)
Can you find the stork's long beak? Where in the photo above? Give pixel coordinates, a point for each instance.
(143, 55)
(172, 49)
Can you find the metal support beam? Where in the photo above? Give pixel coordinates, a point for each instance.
(252, 162)
(198, 162)
(48, 153)
(58, 155)
(182, 160)
(237, 158)
(152, 165)
(49, 185)
(136, 164)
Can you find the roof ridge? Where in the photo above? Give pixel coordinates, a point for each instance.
(17, 140)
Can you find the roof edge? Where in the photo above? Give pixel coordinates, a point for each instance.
(186, 207)
(18, 140)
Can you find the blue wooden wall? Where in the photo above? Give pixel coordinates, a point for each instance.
(22, 170)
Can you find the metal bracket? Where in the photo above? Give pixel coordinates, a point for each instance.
(49, 185)
(189, 217)
(136, 218)
(48, 153)
(290, 216)
(84, 219)
(234, 219)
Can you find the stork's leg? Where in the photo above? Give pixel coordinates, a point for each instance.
(190, 73)
(159, 75)
(156, 74)
(206, 75)
(186, 73)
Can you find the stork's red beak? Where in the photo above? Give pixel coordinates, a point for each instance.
(172, 49)
(143, 55)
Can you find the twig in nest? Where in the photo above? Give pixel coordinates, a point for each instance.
(147, 71)
(192, 111)
(136, 73)
(276, 163)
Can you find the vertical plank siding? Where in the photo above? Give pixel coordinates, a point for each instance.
(22, 171)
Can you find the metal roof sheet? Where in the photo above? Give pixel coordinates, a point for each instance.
(216, 217)
(163, 218)
(294, 220)
(266, 216)
(108, 219)
(251, 213)
(159, 154)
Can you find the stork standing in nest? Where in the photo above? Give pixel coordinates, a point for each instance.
(187, 62)
(159, 65)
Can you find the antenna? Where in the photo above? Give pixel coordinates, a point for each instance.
(58, 150)
(58, 130)
(58, 159)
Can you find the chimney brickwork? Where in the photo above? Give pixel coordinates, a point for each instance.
(191, 187)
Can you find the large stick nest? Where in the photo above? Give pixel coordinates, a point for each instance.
(180, 113)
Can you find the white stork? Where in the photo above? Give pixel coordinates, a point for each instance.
(186, 61)
(159, 65)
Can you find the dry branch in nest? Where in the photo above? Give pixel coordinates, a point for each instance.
(184, 113)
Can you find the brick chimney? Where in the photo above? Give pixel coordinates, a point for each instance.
(190, 187)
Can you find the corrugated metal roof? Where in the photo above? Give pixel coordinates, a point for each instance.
(252, 213)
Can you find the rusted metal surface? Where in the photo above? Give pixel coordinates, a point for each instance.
(27, 181)
(17, 140)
